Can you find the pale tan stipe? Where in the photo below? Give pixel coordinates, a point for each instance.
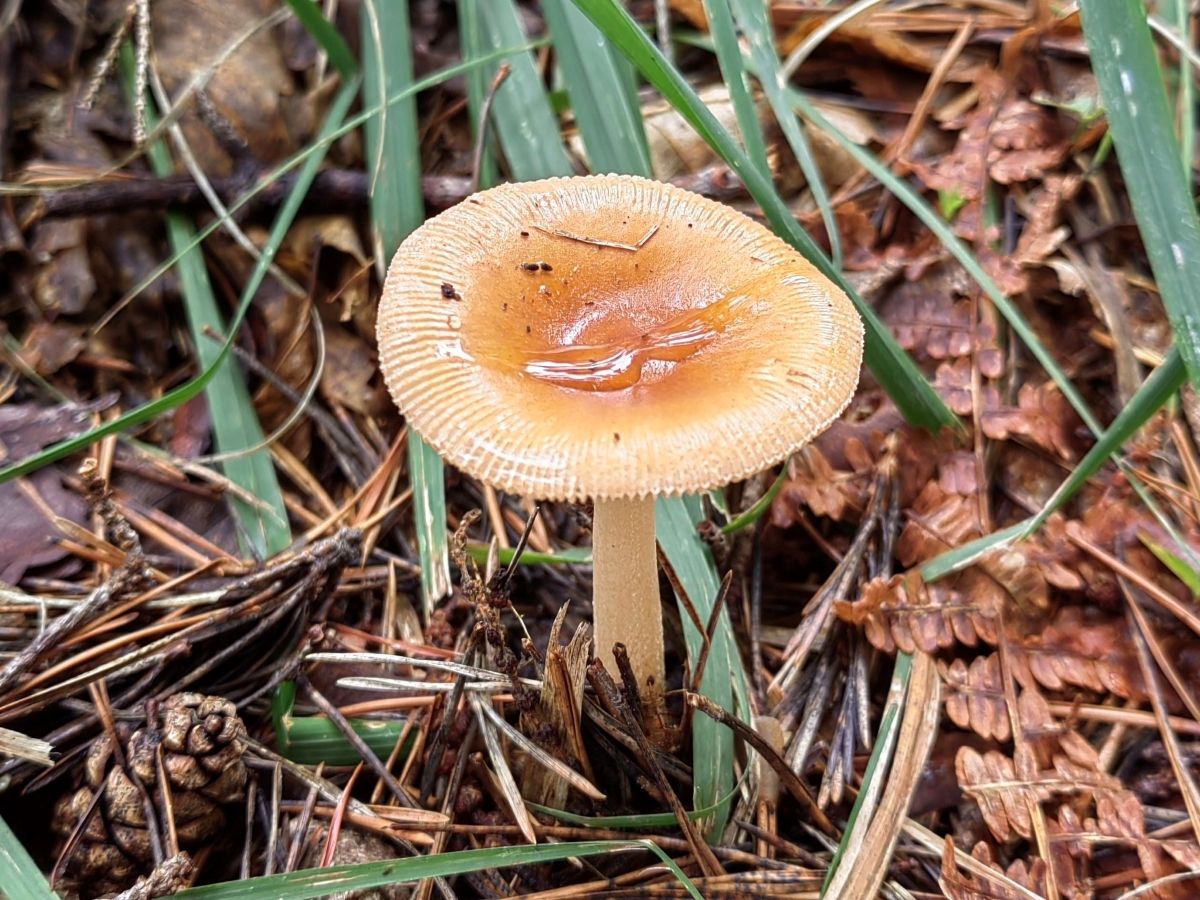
(538, 359)
(625, 567)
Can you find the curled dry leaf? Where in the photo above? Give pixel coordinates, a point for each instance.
(1055, 765)
(1005, 795)
(863, 39)
(813, 482)
(1042, 417)
(63, 282)
(1044, 232)
(954, 382)
(938, 521)
(47, 347)
(675, 148)
(1119, 815)
(1076, 650)
(351, 373)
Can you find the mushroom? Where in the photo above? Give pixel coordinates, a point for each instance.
(616, 339)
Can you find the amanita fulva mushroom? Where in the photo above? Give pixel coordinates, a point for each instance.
(613, 338)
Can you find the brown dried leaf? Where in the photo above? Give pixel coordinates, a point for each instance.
(247, 90)
(1027, 142)
(1004, 138)
(1082, 648)
(63, 282)
(1005, 798)
(1042, 416)
(1011, 568)
(929, 322)
(860, 38)
(953, 382)
(48, 347)
(814, 483)
(349, 379)
(675, 147)
(906, 613)
(1043, 234)
(1119, 814)
(937, 522)
(975, 699)
(27, 532)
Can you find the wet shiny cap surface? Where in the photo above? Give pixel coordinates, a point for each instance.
(609, 336)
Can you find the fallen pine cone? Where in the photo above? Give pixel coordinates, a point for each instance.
(199, 741)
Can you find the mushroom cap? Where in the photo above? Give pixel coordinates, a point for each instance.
(609, 336)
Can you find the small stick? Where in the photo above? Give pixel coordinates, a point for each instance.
(708, 862)
(600, 242)
(485, 113)
(331, 190)
(356, 741)
(787, 777)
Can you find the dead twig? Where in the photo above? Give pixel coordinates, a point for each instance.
(709, 864)
(789, 779)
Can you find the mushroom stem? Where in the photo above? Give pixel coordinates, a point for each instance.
(625, 602)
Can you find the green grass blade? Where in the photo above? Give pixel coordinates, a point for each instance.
(1131, 86)
(264, 530)
(426, 473)
(235, 425)
(759, 507)
(568, 556)
(309, 161)
(20, 877)
(969, 553)
(521, 112)
(1179, 567)
(602, 96)
(310, 740)
(894, 369)
(325, 34)
(640, 822)
(729, 58)
(397, 207)
(756, 26)
(1176, 13)
(313, 883)
(393, 147)
(724, 680)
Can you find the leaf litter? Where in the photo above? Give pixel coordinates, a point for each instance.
(1067, 662)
